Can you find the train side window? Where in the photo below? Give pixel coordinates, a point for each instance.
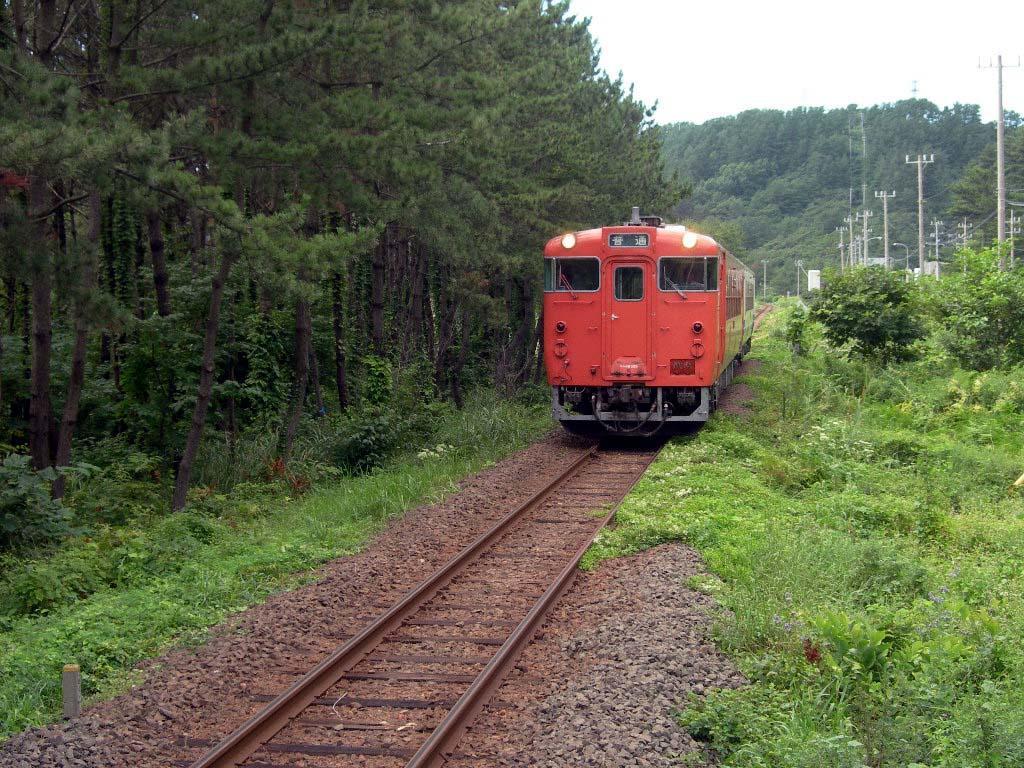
(575, 274)
(629, 283)
(688, 273)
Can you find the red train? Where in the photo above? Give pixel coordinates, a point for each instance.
(643, 325)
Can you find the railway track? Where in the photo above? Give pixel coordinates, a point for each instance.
(403, 689)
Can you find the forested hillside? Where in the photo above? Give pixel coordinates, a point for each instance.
(225, 217)
(775, 185)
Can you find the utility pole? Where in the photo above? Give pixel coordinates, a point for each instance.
(799, 266)
(864, 216)
(965, 234)
(764, 280)
(965, 229)
(921, 162)
(885, 197)
(863, 165)
(842, 249)
(1000, 158)
(849, 221)
(936, 223)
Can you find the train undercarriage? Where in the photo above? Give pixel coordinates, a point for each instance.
(635, 409)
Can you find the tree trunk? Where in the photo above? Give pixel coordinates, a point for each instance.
(195, 433)
(18, 21)
(12, 304)
(519, 354)
(1, 379)
(40, 407)
(428, 317)
(455, 375)
(443, 334)
(70, 418)
(314, 373)
(338, 317)
(531, 333)
(303, 333)
(412, 338)
(538, 348)
(197, 241)
(23, 406)
(377, 292)
(156, 252)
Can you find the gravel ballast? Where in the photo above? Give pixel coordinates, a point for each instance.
(601, 682)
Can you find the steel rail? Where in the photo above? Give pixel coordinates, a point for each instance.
(450, 730)
(268, 722)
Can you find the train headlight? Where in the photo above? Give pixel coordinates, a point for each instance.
(698, 327)
(689, 240)
(569, 241)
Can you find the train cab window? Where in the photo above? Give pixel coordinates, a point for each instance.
(576, 274)
(688, 274)
(629, 283)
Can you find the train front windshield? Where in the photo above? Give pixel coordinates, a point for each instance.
(688, 273)
(575, 274)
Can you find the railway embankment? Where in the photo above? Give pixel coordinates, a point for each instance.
(865, 554)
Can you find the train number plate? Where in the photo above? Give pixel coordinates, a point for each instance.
(632, 240)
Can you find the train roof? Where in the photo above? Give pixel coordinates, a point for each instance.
(665, 240)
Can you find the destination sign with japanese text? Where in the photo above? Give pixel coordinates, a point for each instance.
(630, 240)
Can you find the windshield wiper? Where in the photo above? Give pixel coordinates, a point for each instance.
(675, 287)
(563, 280)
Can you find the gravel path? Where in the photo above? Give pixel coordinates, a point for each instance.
(600, 684)
(194, 692)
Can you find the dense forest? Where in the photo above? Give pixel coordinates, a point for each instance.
(231, 228)
(774, 185)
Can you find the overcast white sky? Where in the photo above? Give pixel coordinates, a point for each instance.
(712, 58)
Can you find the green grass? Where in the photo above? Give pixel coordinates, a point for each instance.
(166, 580)
(867, 556)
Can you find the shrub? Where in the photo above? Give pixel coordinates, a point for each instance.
(871, 310)
(130, 484)
(377, 384)
(368, 438)
(796, 327)
(979, 316)
(28, 515)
